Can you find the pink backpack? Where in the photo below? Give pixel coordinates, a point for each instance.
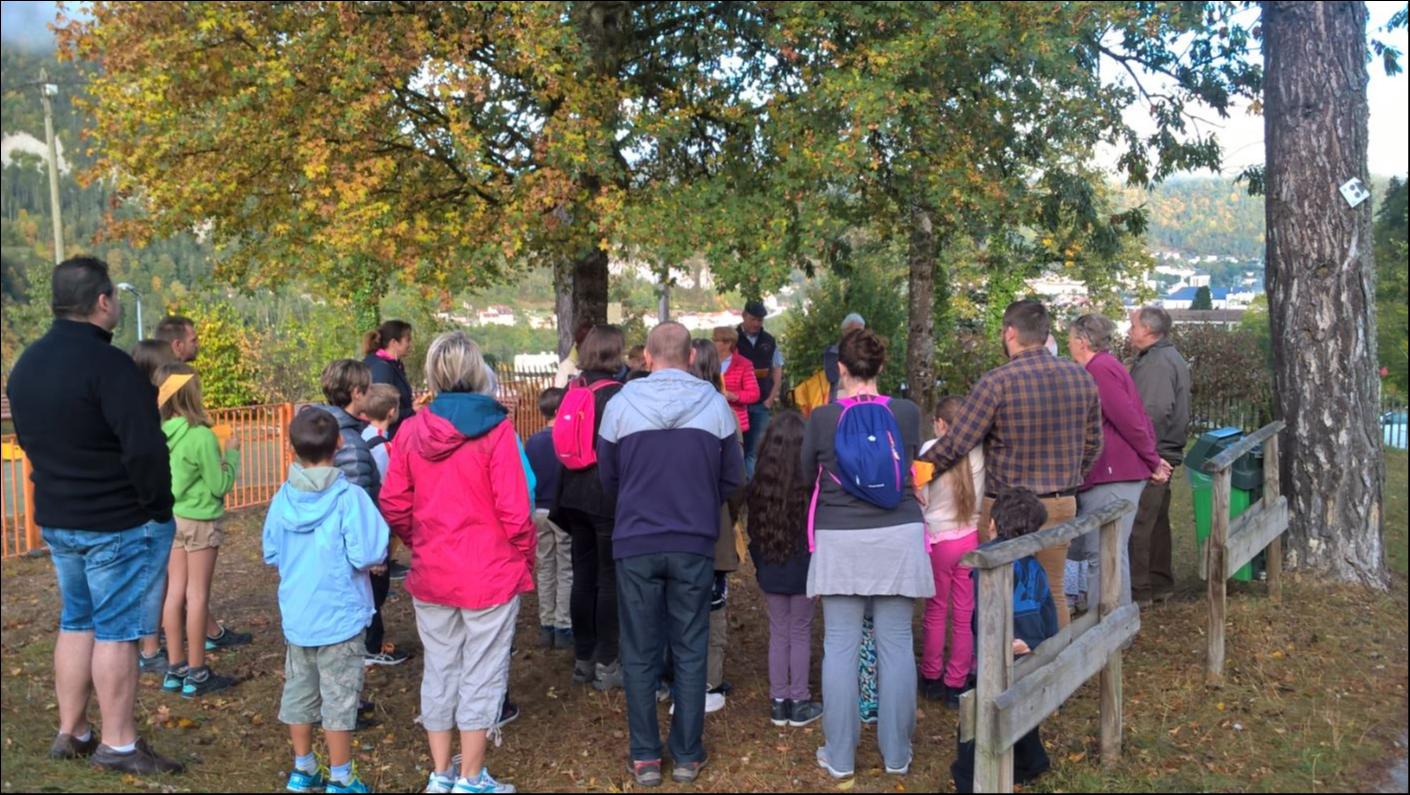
(574, 439)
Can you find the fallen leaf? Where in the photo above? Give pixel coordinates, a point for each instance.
(848, 784)
(1077, 757)
(1219, 706)
(186, 723)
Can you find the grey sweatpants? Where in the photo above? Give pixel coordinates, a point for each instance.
(467, 664)
(896, 677)
(1087, 548)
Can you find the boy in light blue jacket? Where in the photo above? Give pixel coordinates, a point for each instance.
(323, 533)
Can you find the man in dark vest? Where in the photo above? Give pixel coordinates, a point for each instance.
(759, 347)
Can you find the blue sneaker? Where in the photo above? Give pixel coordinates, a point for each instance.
(485, 783)
(300, 781)
(175, 679)
(439, 783)
(354, 785)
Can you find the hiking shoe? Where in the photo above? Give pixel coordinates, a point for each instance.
(66, 746)
(932, 689)
(142, 761)
(563, 638)
(507, 713)
(780, 710)
(608, 676)
(440, 783)
(396, 572)
(156, 664)
(227, 638)
(646, 774)
(584, 671)
(827, 765)
(688, 772)
(389, 655)
(175, 678)
(951, 695)
(355, 784)
(299, 781)
(195, 688)
(483, 783)
(804, 712)
(546, 637)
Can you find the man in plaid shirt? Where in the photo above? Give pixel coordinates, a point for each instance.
(1040, 422)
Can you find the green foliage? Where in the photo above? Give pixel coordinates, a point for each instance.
(1392, 291)
(227, 361)
(1226, 365)
(1204, 299)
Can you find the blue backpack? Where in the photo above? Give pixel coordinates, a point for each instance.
(868, 447)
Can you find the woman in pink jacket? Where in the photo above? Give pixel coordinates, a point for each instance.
(1128, 458)
(741, 387)
(457, 496)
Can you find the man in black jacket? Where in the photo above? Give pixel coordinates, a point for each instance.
(87, 418)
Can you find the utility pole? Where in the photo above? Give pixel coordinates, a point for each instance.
(47, 90)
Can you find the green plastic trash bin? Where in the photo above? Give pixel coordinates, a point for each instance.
(1245, 480)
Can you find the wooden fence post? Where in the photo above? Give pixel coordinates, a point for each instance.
(1215, 551)
(32, 538)
(1111, 674)
(1272, 489)
(993, 767)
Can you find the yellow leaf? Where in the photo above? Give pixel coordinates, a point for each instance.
(1219, 706)
(848, 784)
(1077, 757)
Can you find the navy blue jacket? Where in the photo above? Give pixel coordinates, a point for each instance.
(1034, 613)
(386, 371)
(547, 468)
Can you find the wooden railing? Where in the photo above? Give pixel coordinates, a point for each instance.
(1230, 546)
(1010, 699)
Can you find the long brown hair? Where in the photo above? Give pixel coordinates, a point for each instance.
(959, 479)
(392, 331)
(707, 364)
(778, 495)
(186, 402)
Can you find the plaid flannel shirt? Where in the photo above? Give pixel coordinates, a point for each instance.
(1039, 419)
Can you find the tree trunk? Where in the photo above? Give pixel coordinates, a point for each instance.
(563, 305)
(920, 331)
(580, 289)
(1320, 287)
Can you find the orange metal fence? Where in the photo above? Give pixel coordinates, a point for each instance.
(21, 534)
(265, 454)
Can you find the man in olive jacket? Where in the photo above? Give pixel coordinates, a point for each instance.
(1163, 378)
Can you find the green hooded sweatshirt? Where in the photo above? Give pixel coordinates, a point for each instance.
(200, 475)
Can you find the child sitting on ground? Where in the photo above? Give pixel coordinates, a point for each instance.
(778, 545)
(1018, 512)
(201, 475)
(323, 534)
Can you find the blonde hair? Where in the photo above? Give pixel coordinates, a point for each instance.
(958, 477)
(454, 364)
(186, 401)
(726, 334)
(381, 401)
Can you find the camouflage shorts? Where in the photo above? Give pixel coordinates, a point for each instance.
(323, 682)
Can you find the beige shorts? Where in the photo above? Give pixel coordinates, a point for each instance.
(194, 535)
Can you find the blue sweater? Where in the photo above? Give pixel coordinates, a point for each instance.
(668, 453)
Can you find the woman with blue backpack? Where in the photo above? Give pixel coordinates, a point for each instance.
(867, 536)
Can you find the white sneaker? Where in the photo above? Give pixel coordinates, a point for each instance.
(439, 783)
(714, 702)
(825, 764)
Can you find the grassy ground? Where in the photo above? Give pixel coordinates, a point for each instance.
(1316, 696)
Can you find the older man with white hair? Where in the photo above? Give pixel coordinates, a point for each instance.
(829, 357)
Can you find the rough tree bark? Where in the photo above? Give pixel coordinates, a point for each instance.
(580, 290)
(1320, 286)
(563, 305)
(920, 330)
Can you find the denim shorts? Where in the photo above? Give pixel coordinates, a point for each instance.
(111, 583)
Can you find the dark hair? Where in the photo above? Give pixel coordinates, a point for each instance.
(77, 283)
(1017, 512)
(707, 363)
(341, 378)
(863, 351)
(377, 339)
(580, 331)
(601, 350)
(150, 355)
(173, 328)
(636, 352)
(961, 480)
(635, 374)
(549, 400)
(314, 435)
(778, 495)
(1030, 319)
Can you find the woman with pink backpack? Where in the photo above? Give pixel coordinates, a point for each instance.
(867, 535)
(586, 512)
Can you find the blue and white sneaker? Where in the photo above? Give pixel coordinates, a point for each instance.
(354, 785)
(175, 679)
(300, 781)
(485, 783)
(439, 783)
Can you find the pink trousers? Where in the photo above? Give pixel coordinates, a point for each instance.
(954, 598)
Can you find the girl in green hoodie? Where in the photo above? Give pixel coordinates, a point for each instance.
(201, 476)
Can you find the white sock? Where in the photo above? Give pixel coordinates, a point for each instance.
(86, 736)
(123, 749)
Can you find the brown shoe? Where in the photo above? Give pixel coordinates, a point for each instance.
(143, 761)
(66, 747)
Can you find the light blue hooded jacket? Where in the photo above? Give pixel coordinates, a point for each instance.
(323, 533)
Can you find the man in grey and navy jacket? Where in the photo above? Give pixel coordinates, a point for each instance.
(667, 450)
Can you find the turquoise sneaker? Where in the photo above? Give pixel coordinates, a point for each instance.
(355, 785)
(300, 781)
(175, 679)
(485, 783)
(439, 783)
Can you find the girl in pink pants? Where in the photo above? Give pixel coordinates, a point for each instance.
(952, 504)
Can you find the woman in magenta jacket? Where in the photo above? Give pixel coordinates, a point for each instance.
(1128, 458)
(741, 387)
(457, 496)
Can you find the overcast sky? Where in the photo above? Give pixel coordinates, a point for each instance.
(25, 23)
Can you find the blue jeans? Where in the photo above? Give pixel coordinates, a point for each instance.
(665, 598)
(758, 424)
(111, 583)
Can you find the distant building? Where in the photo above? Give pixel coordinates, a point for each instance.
(1224, 318)
(1184, 297)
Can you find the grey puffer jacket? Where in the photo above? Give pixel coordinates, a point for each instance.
(354, 458)
(1162, 377)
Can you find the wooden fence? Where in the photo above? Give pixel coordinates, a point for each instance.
(1231, 545)
(1010, 699)
(265, 454)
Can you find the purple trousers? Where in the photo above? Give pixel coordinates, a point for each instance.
(790, 645)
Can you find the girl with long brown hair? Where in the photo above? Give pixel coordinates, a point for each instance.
(951, 531)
